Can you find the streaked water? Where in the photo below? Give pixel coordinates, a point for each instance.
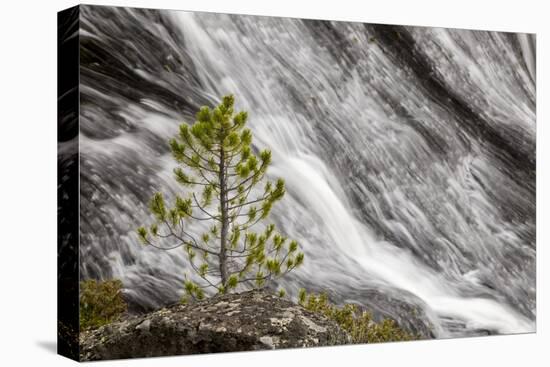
(408, 154)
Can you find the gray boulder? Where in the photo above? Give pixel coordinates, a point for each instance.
(253, 320)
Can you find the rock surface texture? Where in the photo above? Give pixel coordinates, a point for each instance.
(247, 321)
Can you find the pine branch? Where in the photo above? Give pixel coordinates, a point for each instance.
(197, 270)
(259, 174)
(268, 275)
(216, 186)
(192, 164)
(265, 197)
(245, 198)
(192, 245)
(204, 211)
(192, 146)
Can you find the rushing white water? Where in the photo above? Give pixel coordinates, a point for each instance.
(399, 146)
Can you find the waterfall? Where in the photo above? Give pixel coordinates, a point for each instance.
(408, 155)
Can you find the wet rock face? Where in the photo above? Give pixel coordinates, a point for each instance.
(252, 320)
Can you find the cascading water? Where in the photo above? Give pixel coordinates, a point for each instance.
(408, 154)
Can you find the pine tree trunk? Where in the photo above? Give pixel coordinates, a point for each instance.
(225, 220)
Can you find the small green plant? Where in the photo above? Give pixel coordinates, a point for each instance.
(224, 186)
(101, 303)
(359, 324)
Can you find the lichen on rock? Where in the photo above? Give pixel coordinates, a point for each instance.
(253, 320)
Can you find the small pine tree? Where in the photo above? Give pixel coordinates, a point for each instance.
(215, 154)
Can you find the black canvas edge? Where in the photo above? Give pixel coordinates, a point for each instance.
(68, 182)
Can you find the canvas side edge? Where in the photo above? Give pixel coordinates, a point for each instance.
(67, 182)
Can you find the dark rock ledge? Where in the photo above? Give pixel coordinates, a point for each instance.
(247, 321)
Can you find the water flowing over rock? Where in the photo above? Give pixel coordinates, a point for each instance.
(408, 155)
(253, 320)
